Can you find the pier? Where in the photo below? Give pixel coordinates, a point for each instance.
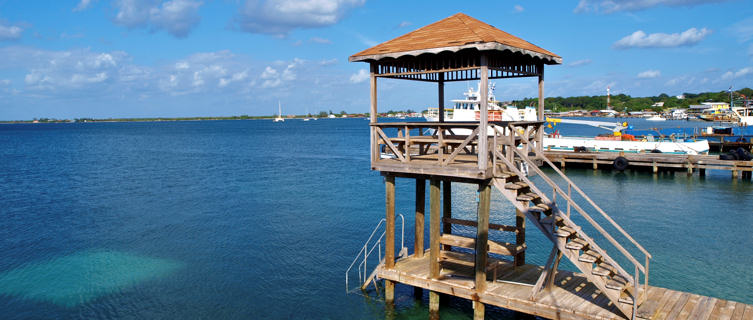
(613, 268)
(653, 161)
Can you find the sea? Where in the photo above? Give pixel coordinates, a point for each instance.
(251, 219)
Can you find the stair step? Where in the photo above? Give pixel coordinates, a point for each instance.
(525, 197)
(515, 185)
(589, 256)
(553, 218)
(626, 298)
(564, 232)
(616, 283)
(577, 244)
(604, 269)
(507, 174)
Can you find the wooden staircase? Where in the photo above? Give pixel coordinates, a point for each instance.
(568, 238)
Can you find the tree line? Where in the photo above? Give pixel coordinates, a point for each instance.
(623, 102)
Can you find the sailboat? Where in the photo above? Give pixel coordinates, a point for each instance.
(279, 113)
(306, 118)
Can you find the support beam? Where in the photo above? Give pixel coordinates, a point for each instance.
(418, 242)
(433, 305)
(540, 133)
(484, 107)
(446, 210)
(482, 234)
(389, 240)
(440, 96)
(434, 222)
(520, 235)
(373, 113)
(478, 310)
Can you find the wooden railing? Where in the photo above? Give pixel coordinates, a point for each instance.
(522, 151)
(443, 144)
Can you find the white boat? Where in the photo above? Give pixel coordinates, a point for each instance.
(468, 110)
(744, 115)
(279, 113)
(619, 142)
(655, 118)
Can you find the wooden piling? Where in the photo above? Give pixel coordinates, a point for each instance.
(482, 239)
(446, 210)
(520, 235)
(434, 222)
(389, 240)
(418, 243)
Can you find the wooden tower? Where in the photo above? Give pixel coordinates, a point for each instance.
(489, 154)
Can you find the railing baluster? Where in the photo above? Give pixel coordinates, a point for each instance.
(569, 188)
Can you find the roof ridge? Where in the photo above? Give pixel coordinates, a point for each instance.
(458, 16)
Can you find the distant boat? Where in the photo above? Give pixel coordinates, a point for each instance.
(305, 119)
(279, 113)
(655, 118)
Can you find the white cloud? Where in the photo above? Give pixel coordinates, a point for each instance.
(279, 17)
(649, 74)
(320, 40)
(10, 32)
(177, 17)
(640, 39)
(404, 24)
(518, 8)
(611, 6)
(82, 5)
(738, 74)
(578, 63)
(274, 78)
(328, 62)
(743, 30)
(361, 76)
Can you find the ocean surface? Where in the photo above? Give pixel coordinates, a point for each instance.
(259, 220)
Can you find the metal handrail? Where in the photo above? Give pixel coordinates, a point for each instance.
(367, 250)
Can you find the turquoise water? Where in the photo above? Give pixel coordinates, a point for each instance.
(254, 219)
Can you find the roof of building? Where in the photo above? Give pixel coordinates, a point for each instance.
(454, 33)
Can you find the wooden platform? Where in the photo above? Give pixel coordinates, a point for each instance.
(571, 298)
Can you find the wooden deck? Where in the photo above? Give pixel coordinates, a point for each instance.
(572, 297)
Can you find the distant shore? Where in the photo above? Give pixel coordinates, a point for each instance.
(158, 119)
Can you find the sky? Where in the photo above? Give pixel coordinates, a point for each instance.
(179, 58)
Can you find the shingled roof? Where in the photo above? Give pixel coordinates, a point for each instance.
(454, 33)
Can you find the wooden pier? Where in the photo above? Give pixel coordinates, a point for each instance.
(653, 161)
(500, 155)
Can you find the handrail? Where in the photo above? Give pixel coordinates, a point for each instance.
(584, 213)
(588, 199)
(554, 206)
(367, 250)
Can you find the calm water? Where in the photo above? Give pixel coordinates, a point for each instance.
(251, 219)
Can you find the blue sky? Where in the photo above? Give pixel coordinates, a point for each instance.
(133, 58)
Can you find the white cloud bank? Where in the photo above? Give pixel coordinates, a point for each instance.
(611, 6)
(177, 17)
(738, 74)
(640, 39)
(279, 17)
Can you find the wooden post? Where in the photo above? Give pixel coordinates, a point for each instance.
(440, 96)
(484, 109)
(418, 243)
(434, 245)
(434, 228)
(389, 240)
(447, 209)
(596, 165)
(540, 133)
(702, 172)
(373, 112)
(482, 243)
(520, 235)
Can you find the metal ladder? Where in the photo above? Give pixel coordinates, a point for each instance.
(368, 248)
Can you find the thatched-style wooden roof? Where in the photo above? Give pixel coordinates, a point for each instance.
(455, 33)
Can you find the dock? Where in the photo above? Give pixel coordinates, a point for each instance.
(501, 156)
(655, 162)
(571, 297)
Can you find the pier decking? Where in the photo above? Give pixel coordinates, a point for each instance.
(571, 297)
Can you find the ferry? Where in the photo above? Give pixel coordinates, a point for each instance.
(468, 109)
